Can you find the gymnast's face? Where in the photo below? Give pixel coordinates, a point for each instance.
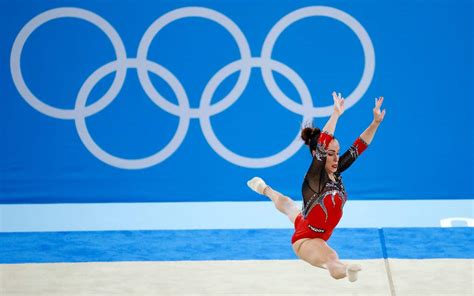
(332, 159)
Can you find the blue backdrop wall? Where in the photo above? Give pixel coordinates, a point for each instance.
(124, 101)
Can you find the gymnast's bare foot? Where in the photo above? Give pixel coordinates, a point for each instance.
(352, 270)
(257, 184)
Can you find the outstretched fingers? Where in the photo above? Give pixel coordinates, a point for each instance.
(378, 102)
(378, 115)
(338, 102)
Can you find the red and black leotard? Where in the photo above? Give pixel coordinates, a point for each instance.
(323, 199)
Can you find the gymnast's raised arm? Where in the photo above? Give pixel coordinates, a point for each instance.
(364, 139)
(330, 126)
(318, 143)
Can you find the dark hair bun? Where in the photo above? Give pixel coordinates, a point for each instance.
(309, 133)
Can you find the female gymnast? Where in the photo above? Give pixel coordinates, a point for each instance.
(324, 194)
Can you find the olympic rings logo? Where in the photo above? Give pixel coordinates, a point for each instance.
(183, 109)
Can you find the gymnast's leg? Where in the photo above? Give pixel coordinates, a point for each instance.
(318, 253)
(283, 203)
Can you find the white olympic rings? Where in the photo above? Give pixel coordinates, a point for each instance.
(183, 110)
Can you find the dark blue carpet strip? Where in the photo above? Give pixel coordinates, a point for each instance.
(382, 243)
(241, 244)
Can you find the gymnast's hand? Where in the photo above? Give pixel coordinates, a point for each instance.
(378, 116)
(338, 103)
